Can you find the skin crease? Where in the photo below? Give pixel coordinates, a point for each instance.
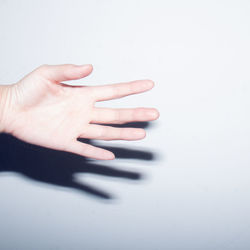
(42, 110)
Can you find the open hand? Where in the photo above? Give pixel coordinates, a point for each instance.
(42, 110)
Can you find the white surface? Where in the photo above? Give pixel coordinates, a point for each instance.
(196, 194)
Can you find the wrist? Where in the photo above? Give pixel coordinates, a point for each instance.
(5, 103)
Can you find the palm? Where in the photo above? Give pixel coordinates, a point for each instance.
(54, 117)
(52, 114)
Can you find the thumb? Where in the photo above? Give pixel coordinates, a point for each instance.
(65, 72)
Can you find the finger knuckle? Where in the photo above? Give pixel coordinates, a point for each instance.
(117, 117)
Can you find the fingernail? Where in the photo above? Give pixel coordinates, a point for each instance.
(109, 156)
(149, 84)
(151, 113)
(140, 133)
(85, 65)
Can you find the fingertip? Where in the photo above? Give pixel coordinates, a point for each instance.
(83, 70)
(112, 157)
(88, 67)
(155, 114)
(149, 84)
(140, 133)
(109, 155)
(152, 114)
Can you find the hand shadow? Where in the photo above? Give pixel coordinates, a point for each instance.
(58, 167)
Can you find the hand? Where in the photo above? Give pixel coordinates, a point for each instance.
(42, 110)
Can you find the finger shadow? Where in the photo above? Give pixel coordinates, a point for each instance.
(60, 168)
(133, 125)
(127, 153)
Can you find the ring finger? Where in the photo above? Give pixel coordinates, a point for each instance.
(101, 132)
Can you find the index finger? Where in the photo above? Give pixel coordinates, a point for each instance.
(114, 91)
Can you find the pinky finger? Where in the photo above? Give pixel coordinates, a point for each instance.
(89, 151)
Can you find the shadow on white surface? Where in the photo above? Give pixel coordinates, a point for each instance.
(59, 168)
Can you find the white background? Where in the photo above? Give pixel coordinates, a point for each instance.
(195, 194)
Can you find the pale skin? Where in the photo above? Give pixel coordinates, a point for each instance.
(42, 109)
